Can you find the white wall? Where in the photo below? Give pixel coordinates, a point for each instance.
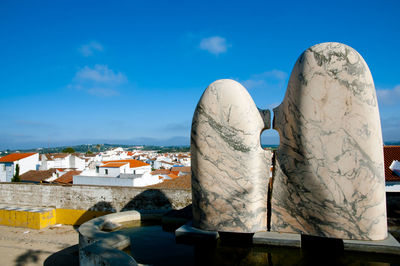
(62, 162)
(146, 180)
(102, 181)
(56, 163)
(76, 162)
(122, 180)
(6, 169)
(109, 171)
(142, 169)
(27, 164)
(46, 165)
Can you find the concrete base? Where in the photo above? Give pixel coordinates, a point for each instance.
(388, 246)
(277, 239)
(189, 233)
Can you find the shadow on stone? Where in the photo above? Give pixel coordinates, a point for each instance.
(150, 199)
(173, 219)
(236, 239)
(68, 257)
(322, 249)
(99, 209)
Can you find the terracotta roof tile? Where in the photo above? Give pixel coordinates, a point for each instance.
(173, 176)
(391, 153)
(113, 164)
(37, 175)
(15, 157)
(184, 169)
(161, 172)
(132, 163)
(181, 182)
(67, 178)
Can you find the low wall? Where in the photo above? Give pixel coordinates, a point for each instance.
(94, 198)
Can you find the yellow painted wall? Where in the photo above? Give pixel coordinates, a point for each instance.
(39, 220)
(28, 219)
(76, 217)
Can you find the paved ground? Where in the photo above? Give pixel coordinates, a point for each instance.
(56, 245)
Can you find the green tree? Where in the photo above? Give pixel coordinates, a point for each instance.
(89, 152)
(68, 150)
(16, 176)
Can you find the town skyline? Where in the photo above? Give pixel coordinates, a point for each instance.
(132, 72)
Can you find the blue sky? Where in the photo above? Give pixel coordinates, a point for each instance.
(75, 72)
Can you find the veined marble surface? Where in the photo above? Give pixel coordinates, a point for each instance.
(230, 170)
(329, 177)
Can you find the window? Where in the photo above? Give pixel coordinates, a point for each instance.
(97, 169)
(106, 170)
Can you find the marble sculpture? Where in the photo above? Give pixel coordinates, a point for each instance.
(328, 179)
(230, 170)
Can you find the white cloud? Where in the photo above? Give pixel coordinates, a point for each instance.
(389, 97)
(99, 74)
(266, 80)
(98, 81)
(215, 45)
(88, 49)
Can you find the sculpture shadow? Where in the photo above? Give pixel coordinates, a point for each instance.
(30, 256)
(68, 257)
(150, 199)
(99, 209)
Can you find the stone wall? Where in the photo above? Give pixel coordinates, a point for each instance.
(95, 198)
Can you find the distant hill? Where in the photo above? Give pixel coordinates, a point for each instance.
(395, 143)
(84, 148)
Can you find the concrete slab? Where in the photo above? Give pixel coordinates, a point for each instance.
(387, 246)
(188, 232)
(277, 239)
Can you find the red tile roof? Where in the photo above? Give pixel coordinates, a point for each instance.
(113, 165)
(160, 172)
(67, 178)
(391, 153)
(181, 182)
(184, 169)
(172, 176)
(37, 175)
(164, 172)
(132, 163)
(15, 157)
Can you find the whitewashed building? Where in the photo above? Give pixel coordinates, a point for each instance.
(61, 161)
(132, 173)
(25, 161)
